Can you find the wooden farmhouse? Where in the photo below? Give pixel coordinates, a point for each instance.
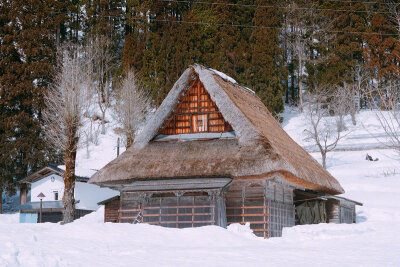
(48, 182)
(213, 154)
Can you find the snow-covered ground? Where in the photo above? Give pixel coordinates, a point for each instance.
(367, 134)
(373, 241)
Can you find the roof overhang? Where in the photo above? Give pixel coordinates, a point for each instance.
(312, 195)
(108, 200)
(172, 184)
(46, 171)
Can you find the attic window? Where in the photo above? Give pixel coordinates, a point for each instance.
(195, 112)
(55, 195)
(199, 123)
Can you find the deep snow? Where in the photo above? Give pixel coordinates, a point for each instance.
(373, 241)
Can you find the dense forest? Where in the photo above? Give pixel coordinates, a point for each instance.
(280, 49)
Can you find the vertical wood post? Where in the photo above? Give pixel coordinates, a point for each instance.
(40, 212)
(23, 194)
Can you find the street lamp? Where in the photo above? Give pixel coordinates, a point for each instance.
(41, 196)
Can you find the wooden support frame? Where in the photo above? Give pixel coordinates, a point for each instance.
(262, 204)
(184, 208)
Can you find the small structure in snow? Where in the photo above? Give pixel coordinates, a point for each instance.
(369, 158)
(48, 181)
(213, 154)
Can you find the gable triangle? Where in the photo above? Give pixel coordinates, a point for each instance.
(195, 112)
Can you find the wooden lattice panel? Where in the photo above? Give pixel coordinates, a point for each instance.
(248, 203)
(195, 113)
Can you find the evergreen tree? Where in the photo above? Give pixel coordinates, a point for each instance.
(26, 58)
(382, 53)
(265, 73)
(346, 48)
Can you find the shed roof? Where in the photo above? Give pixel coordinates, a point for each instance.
(261, 147)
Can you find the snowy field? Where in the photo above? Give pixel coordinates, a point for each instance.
(367, 134)
(373, 241)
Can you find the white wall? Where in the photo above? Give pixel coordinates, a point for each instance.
(47, 187)
(87, 194)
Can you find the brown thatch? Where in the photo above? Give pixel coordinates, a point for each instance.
(261, 147)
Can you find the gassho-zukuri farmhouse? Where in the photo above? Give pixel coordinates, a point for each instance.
(212, 154)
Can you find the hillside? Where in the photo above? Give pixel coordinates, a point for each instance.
(372, 241)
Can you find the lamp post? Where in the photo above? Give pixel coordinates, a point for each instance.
(40, 196)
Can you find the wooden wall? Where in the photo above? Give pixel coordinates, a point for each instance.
(340, 211)
(195, 113)
(177, 209)
(53, 217)
(111, 210)
(267, 206)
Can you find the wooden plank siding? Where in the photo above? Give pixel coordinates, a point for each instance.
(165, 208)
(263, 205)
(195, 113)
(111, 209)
(338, 211)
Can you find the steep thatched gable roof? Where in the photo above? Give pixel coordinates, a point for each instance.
(261, 147)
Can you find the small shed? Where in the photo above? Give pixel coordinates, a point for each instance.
(213, 154)
(111, 209)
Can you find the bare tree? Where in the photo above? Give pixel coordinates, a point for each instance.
(394, 9)
(386, 103)
(131, 107)
(66, 102)
(355, 89)
(299, 42)
(323, 129)
(305, 28)
(104, 63)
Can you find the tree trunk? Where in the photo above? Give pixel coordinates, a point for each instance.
(23, 193)
(300, 83)
(323, 159)
(58, 34)
(103, 122)
(69, 177)
(353, 118)
(129, 141)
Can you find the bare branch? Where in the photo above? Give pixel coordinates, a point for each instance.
(131, 107)
(66, 102)
(103, 64)
(323, 130)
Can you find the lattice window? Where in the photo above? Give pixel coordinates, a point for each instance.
(193, 209)
(129, 211)
(248, 206)
(246, 203)
(280, 215)
(195, 113)
(179, 212)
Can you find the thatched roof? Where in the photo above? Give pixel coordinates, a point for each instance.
(261, 147)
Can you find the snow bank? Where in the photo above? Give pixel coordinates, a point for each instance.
(243, 230)
(94, 217)
(373, 241)
(9, 218)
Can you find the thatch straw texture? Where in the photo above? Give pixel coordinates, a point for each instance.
(261, 147)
